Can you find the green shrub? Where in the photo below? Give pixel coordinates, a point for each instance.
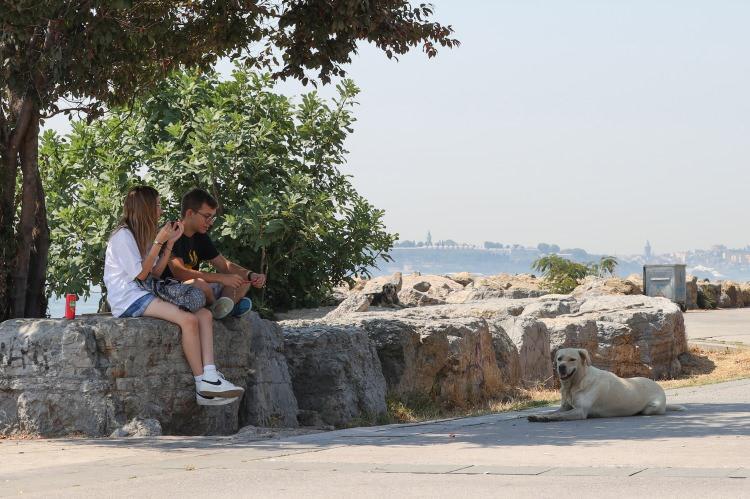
(562, 275)
(285, 208)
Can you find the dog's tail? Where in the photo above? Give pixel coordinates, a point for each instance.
(675, 407)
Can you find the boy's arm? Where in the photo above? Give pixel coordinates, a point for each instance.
(225, 266)
(182, 273)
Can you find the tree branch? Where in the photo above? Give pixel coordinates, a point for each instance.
(90, 108)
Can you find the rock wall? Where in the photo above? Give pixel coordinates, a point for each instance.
(95, 374)
(92, 375)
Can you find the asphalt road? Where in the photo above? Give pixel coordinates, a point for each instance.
(731, 325)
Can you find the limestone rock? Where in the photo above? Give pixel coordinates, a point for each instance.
(745, 292)
(532, 341)
(138, 427)
(592, 285)
(637, 335)
(357, 301)
(335, 372)
(269, 398)
(436, 286)
(93, 374)
(731, 296)
(411, 297)
(500, 286)
(452, 360)
(462, 278)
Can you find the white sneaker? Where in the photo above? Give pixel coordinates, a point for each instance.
(219, 388)
(222, 307)
(202, 400)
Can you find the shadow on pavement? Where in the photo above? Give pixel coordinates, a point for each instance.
(700, 420)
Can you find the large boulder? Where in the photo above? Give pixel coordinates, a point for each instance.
(637, 335)
(451, 359)
(745, 292)
(513, 286)
(93, 374)
(731, 295)
(592, 285)
(421, 290)
(336, 373)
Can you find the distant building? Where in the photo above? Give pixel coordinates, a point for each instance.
(647, 251)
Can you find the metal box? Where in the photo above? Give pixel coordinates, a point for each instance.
(667, 281)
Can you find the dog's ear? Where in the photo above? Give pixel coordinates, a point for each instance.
(585, 358)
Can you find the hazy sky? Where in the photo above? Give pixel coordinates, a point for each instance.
(596, 124)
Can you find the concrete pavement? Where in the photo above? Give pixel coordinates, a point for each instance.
(702, 452)
(730, 326)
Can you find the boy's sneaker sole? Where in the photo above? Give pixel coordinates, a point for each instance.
(222, 307)
(204, 400)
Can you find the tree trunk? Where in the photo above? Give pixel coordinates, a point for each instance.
(23, 252)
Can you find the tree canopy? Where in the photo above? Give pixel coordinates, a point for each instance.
(271, 162)
(91, 54)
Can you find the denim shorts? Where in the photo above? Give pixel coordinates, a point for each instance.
(138, 307)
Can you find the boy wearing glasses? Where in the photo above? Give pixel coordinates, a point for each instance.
(225, 289)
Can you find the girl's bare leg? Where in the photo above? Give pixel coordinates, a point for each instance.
(189, 324)
(206, 332)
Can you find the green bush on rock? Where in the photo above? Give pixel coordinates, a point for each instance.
(272, 163)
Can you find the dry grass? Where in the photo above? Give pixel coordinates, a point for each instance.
(705, 368)
(698, 367)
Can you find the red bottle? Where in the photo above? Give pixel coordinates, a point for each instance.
(70, 306)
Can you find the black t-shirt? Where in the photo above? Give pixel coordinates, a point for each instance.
(193, 251)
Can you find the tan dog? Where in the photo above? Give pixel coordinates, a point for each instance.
(588, 392)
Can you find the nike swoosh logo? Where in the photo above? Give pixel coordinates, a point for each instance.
(215, 383)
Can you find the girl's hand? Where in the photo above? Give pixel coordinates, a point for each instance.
(177, 230)
(165, 233)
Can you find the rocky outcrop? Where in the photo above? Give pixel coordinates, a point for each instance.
(93, 374)
(139, 427)
(435, 287)
(335, 373)
(592, 285)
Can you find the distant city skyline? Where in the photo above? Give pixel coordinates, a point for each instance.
(585, 124)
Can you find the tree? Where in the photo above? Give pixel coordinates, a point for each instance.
(284, 207)
(562, 275)
(548, 248)
(96, 53)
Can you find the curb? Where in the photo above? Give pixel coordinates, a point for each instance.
(717, 346)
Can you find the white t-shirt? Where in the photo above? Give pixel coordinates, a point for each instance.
(122, 263)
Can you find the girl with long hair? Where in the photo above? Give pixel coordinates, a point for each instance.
(137, 250)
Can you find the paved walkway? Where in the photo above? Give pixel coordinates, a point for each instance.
(701, 452)
(725, 326)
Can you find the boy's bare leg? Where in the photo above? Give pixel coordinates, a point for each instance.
(237, 293)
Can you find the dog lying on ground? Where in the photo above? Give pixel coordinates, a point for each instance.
(588, 392)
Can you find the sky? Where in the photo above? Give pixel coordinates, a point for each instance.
(594, 124)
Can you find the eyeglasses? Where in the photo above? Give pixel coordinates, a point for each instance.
(208, 216)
